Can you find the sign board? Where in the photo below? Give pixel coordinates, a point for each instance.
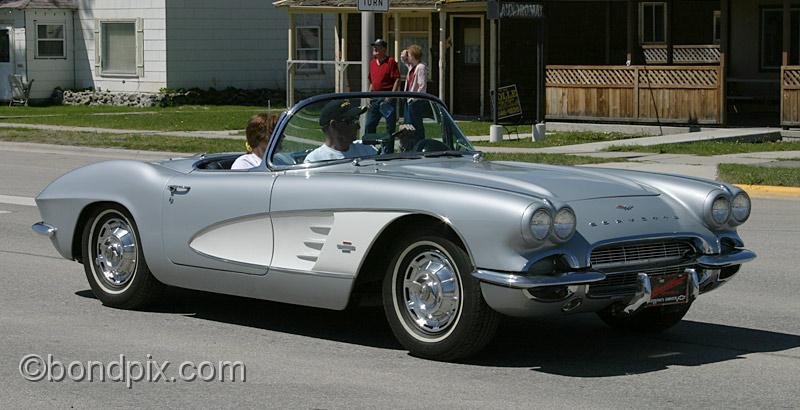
(498, 9)
(508, 104)
(380, 6)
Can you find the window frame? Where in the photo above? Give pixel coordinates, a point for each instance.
(716, 22)
(308, 68)
(139, 44)
(642, 7)
(63, 40)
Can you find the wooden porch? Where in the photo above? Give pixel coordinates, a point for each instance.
(790, 96)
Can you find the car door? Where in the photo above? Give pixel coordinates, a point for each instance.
(219, 220)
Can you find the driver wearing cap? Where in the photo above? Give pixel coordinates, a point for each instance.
(339, 122)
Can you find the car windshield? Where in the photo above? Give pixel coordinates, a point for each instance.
(392, 126)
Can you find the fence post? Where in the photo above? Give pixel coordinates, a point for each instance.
(636, 92)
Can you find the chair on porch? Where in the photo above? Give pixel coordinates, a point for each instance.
(20, 90)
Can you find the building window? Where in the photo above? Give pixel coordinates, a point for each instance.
(50, 41)
(413, 30)
(309, 47)
(717, 27)
(119, 48)
(653, 22)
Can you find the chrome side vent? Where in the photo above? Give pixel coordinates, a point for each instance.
(313, 246)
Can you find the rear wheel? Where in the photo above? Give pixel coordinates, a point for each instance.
(648, 320)
(113, 261)
(434, 306)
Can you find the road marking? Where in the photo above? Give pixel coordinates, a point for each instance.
(17, 200)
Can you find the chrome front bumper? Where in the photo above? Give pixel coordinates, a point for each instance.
(515, 294)
(44, 229)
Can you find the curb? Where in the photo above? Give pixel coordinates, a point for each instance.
(770, 191)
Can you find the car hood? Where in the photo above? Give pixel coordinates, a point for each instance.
(546, 181)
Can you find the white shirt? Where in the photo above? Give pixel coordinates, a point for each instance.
(419, 83)
(325, 152)
(246, 161)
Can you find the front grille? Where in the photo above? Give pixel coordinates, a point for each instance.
(618, 256)
(622, 264)
(624, 283)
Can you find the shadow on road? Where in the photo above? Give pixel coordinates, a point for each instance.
(577, 346)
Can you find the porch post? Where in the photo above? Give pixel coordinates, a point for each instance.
(787, 36)
(442, 50)
(290, 66)
(337, 55)
(724, 36)
(345, 80)
(367, 36)
(608, 32)
(629, 25)
(396, 30)
(493, 67)
(670, 47)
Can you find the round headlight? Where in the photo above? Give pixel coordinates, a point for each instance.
(721, 210)
(540, 224)
(740, 207)
(564, 224)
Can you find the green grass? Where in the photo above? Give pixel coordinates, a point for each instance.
(559, 139)
(211, 145)
(706, 148)
(758, 175)
(556, 159)
(134, 142)
(182, 118)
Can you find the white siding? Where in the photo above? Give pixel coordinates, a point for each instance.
(152, 13)
(48, 73)
(231, 43)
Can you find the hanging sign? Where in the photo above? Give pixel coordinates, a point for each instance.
(380, 6)
(498, 9)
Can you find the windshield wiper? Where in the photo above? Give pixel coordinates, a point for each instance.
(449, 153)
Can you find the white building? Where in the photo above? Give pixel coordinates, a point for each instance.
(142, 45)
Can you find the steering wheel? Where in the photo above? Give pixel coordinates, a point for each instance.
(428, 145)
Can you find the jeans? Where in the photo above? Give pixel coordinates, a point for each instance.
(413, 116)
(374, 115)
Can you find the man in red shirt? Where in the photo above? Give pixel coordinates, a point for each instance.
(383, 76)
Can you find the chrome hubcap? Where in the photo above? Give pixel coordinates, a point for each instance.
(115, 252)
(431, 291)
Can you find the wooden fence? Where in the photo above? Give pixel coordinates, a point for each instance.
(682, 54)
(790, 96)
(668, 94)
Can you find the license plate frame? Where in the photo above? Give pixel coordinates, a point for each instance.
(669, 289)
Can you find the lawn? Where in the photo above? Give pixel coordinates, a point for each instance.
(758, 175)
(558, 139)
(211, 145)
(182, 118)
(706, 148)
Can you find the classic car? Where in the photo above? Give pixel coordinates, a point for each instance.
(417, 221)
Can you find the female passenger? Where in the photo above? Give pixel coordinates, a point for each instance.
(259, 129)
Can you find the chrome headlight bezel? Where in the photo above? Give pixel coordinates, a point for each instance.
(716, 219)
(539, 235)
(743, 213)
(564, 229)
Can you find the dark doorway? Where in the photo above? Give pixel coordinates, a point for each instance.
(466, 67)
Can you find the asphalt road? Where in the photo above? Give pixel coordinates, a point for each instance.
(738, 347)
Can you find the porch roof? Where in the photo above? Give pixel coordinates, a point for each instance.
(352, 4)
(38, 4)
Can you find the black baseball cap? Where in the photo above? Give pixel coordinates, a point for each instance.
(339, 110)
(380, 43)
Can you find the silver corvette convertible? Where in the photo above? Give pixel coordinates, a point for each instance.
(415, 219)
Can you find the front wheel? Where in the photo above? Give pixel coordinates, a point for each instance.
(648, 320)
(113, 260)
(434, 306)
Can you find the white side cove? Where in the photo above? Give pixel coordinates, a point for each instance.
(234, 241)
(327, 243)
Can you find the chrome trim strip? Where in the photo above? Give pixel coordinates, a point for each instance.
(311, 273)
(44, 229)
(526, 282)
(737, 257)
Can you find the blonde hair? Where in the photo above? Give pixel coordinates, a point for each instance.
(415, 51)
(259, 128)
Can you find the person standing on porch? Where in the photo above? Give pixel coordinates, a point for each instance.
(383, 76)
(416, 81)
